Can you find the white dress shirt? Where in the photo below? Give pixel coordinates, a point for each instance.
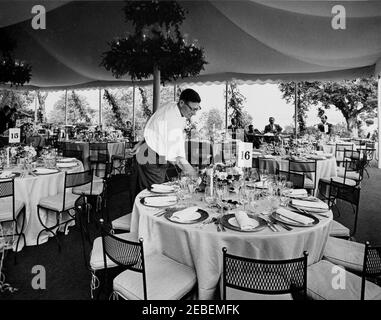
(164, 132)
(325, 128)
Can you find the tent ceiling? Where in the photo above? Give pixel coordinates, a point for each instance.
(247, 40)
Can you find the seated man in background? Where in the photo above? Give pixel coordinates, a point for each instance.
(274, 129)
(250, 136)
(324, 126)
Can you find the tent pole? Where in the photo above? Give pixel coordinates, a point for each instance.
(174, 92)
(133, 112)
(226, 105)
(35, 109)
(296, 110)
(100, 106)
(66, 107)
(379, 119)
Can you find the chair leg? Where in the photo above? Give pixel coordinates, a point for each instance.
(21, 233)
(48, 229)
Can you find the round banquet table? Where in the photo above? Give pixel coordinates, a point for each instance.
(30, 189)
(324, 168)
(114, 148)
(201, 248)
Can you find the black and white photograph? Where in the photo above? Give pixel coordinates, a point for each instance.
(196, 151)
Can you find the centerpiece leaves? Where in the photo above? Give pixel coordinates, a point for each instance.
(156, 42)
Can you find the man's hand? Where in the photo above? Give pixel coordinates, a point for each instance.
(135, 149)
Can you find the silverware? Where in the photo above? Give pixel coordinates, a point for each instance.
(268, 222)
(221, 225)
(160, 213)
(285, 226)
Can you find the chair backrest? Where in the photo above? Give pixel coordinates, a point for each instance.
(7, 189)
(371, 265)
(82, 208)
(308, 168)
(343, 147)
(77, 179)
(347, 193)
(99, 152)
(352, 154)
(73, 154)
(297, 179)
(124, 253)
(264, 276)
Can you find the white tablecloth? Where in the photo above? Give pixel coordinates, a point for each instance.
(30, 190)
(201, 249)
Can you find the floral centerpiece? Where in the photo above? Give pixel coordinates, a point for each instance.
(220, 173)
(23, 152)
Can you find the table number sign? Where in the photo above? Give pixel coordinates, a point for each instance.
(14, 135)
(244, 154)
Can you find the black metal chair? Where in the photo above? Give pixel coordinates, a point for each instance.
(123, 163)
(267, 277)
(371, 267)
(78, 154)
(297, 179)
(308, 169)
(62, 202)
(339, 151)
(11, 209)
(368, 153)
(176, 282)
(99, 155)
(340, 192)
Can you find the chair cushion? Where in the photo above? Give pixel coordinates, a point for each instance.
(338, 230)
(96, 257)
(348, 181)
(348, 254)
(235, 294)
(322, 275)
(85, 189)
(55, 202)
(122, 223)
(166, 280)
(6, 213)
(353, 175)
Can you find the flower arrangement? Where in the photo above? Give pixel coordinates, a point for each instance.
(26, 152)
(222, 174)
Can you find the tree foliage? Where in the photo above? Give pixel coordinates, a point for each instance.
(356, 99)
(236, 102)
(78, 110)
(117, 110)
(41, 112)
(214, 118)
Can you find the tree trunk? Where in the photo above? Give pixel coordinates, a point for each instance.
(156, 88)
(352, 126)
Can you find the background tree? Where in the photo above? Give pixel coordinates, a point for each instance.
(41, 113)
(118, 108)
(155, 48)
(355, 99)
(78, 110)
(214, 118)
(236, 104)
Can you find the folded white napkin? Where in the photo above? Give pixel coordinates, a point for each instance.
(162, 188)
(160, 201)
(243, 220)
(309, 204)
(293, 216)
(6, 174)
(298, 193)
(187, 214)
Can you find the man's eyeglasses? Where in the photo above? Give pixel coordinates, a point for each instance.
(192, 109)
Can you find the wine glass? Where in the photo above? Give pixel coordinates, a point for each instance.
(208, 196)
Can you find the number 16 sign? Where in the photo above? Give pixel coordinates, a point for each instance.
(244, 154)
(14, 135)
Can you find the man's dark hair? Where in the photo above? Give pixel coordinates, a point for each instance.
(324, 117)
(189, 95)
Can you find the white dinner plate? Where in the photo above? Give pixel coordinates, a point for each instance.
(233, 221)
(189, 217)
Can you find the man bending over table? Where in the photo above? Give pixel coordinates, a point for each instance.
(164, 140)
